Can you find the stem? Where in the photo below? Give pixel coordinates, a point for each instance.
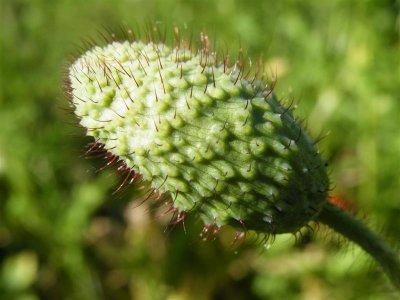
(345, 223)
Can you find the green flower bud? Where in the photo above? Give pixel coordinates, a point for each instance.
(218, 145)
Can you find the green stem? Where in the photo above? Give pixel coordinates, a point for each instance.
(353, 229)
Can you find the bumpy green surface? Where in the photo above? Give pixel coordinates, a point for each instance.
(201, 132)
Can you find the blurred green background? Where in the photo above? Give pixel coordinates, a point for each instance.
(63, 235)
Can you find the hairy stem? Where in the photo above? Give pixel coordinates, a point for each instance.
(360, 234)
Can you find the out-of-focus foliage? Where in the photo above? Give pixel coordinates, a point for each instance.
(63, 235)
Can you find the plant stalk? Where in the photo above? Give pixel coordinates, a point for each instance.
(346, 224)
